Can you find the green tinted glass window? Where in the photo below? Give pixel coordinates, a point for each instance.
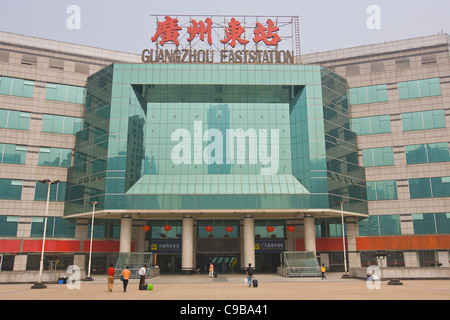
(382, 190)
(419, 88)
(424, 223)
(378, 157)
(61, 124)
(420, 188)
(8, 226)
(10, 189)
(16, 87)
(57, 191)
(371, 94)
(372, 125)
(55, 157)
(64, 93)
(433, 119)
(10, 119)
(427, 153)
(443, 223)
(11, 153)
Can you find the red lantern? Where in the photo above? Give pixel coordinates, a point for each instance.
(167, 228)
(291, 228)
(209, 229)
(270, 229)
(146, 228)
(229, 229)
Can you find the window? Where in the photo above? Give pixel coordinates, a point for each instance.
(381, 190)
(55, 157)
(8, 226)
(423, 120)
(16, 87)
(61, 124)
(11, 153)
(427, 258)
(429, 187)
(57, 191)
(64, 93)
(380, 225)
(419, 88)
(431, 223)
(56, 227)
(372, 125)
(106, 229)
(378, 157)
(371, 94)
(10, 189)
(10, 119)
(427, 153)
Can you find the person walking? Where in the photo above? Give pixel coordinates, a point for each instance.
(125, 277)
(322, 269)
(211, 270)
(111, 272)
(142, 273)
(250, 272)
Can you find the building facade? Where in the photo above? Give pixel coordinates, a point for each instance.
(399, 96)
(223, 162)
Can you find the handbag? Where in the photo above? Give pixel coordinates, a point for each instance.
(121, 278)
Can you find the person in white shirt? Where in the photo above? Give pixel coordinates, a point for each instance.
(142, 272)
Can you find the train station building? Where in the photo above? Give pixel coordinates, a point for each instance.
(234, 155)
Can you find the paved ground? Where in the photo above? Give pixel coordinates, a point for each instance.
(232, 287)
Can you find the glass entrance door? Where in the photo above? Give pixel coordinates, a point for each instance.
(223, 263)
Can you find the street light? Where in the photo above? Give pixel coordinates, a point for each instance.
(343, 235)
(94, 203)
(41, 285)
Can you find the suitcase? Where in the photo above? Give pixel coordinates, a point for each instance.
(255, 283)
(143, 286)
(215, 274)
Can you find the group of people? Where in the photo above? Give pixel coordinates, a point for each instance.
(125, 277)
(126, 273)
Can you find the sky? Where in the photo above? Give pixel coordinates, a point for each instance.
(324, 24)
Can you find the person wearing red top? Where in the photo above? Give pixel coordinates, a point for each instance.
(111, 276)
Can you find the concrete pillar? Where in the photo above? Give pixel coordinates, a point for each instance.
(249, 241)
(125, 234)
(310, 233)
(187, 251)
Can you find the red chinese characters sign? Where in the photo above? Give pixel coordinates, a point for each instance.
(223, 39)
(168, 31)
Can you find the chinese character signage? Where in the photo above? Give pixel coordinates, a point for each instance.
(269, 245)
(165, 246)
(220, 39)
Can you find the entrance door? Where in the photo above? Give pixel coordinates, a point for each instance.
(267, 262)
(169, 263)
(223, 263)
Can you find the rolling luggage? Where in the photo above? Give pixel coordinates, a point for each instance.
(215, 274)
(255, 283)
(143, 286)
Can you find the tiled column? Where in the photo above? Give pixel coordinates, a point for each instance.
(125, 234)
(187, 253)
(249, 241)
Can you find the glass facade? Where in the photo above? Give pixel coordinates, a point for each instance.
(213, 137)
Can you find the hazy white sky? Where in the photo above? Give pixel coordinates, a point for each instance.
(324, 24)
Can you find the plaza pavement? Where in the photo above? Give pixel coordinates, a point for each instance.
(232, 287)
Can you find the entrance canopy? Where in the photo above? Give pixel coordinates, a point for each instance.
(223, 214)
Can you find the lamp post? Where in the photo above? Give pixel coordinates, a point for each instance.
(41, 285)
(89, 278)
(343, 235)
